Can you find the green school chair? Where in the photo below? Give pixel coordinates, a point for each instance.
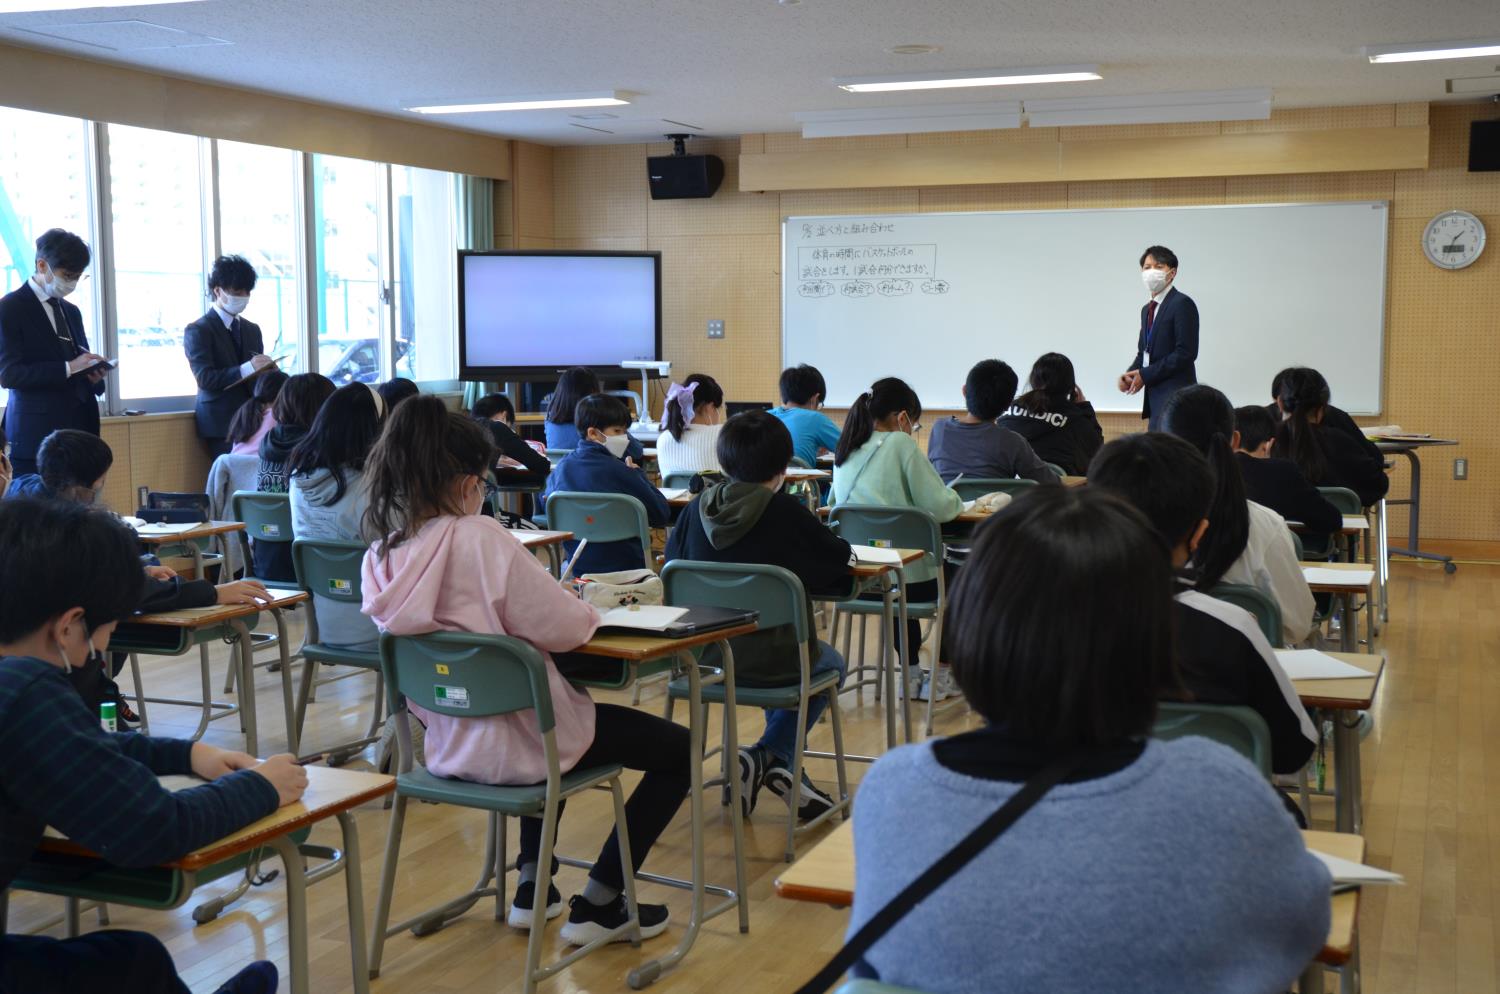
(778, 595)
(897, 528)
(1347, 501)
(1260, 604)
(498, 675)
(1057, 469)
(677, 481)
(555, 456)
(600, 518)
(267, 518)
(873, 987)
(1236, 726)
(330, 570)
(970, 488)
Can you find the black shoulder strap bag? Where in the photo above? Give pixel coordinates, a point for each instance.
(938, 873)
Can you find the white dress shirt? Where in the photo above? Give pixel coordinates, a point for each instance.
(247, 367)
(67, 333)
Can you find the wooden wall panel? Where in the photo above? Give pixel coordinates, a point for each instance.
(532, 191)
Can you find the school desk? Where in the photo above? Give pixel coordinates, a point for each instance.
(158, 537)
(330, 793)
(889, 580)
(1344, 699)
(825, 875)
(550, 541)
(173, 633)
(1361, 578)
(641, 655)
(1408, 446)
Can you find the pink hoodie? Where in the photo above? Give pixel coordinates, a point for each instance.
(468, 574)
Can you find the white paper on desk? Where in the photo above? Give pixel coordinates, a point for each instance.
(173, 782)
(802, 473)
(643, 617)
(969, 504)
(673, 493)
(1339, 577)
(1346, 871)
(874, 555)
(1310, 664)
(176, 528)
(1356, 521)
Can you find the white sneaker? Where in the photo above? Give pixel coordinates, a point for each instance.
(945, 686)
(916, 683)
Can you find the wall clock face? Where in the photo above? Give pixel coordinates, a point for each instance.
(1453, 239)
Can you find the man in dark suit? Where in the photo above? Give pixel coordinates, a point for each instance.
(222, 350)
(44, 352)
(1167, 345)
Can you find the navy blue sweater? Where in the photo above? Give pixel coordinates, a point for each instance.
(59, 768)
(591, 469)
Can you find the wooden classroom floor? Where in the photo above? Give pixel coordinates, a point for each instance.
(1432, 813)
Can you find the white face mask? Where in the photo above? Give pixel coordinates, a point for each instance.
(617, 444)
(233, 305)
(1155, 280)
(58, 287)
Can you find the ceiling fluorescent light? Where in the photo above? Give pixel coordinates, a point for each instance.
(35, 6)
(1152, 108)
(971, 77)
(908, 120)
(603, 98)
(1431, 51)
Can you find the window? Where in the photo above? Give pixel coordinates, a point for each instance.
(44, 183)
(156, 203)
(426, 281)
(348, 215)
(259, 219)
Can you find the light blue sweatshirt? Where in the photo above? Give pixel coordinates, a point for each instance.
(889, 470)
(315, 514)
(1181, 872)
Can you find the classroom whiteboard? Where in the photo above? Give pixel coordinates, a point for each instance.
(925, 296)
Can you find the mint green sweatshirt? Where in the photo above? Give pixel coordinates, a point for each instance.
(889, 470)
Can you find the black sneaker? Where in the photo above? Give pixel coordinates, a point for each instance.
(259, 977)
(520, 912)
(810, 801)
(587, 921)
(752, 776)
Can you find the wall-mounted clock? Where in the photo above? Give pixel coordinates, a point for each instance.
(1453, 239)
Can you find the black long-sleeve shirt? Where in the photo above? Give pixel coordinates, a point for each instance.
(1280, 485)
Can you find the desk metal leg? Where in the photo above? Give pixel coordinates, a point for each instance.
(355, 896)
(1311, 979)
(1383, 555)
(1414, 517)
(887, 621)
(292, 728)
(908, 657)
(1346, 774)
(1347, 638)
(296, 912)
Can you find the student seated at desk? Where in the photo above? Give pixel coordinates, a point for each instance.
(561, 430)
(1278, 483)
(877, 462)
(1151, 865)
(1327, 457)
(295, 409)
(69, 574)
(802, 394)
(331, 492)
(974, 445)
(397, 389)
(1245, 542)
(599, 465)
(441, 566)
(256, 416)
(71, 466)
(750, 520)
(1221, 655)
(690, 427)
(1333, 417)
(498, 415)
(1054, 416)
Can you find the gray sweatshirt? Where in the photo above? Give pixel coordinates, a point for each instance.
(315, 514)
(1180, 872)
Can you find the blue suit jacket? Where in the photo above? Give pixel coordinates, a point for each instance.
(215, 363)
(43, 397)
(1172, 344)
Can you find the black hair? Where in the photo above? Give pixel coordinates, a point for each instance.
(706, 390)
(1052, 383)
(340, 437)
(396, 389)
(989, 389)
(1276, 382)
(1304, 396)
(232, 272)
(1161, 254)
(574, 385)
(71, 461)
(61, 249)
(754, 447)
(1070, 655)
(800, 384)
(1255, 425)
(301, 398)
(491, 404)
(59, 556)
(1134, 468)
(1202, 416)
(884, 398)
(246, 420)
(600, 411)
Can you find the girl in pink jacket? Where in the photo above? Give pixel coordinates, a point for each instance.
(441, 566)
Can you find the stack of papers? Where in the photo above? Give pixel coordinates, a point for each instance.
(673, 493)
(167, 529)
(1339, 577)
(643, 617)
(1346, 871)
(1310, 664)
(872, 555)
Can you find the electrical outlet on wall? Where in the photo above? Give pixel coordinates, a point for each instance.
(1460, 468)
(716, 328)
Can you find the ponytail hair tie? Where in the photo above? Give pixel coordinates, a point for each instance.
(683, 395)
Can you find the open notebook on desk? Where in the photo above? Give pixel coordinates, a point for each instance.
(1310, 664)
(876, 556)
(673, 622)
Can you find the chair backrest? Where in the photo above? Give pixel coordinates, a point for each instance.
(772, 590)
(677, 481)
(1057, 469)
(1236, 726)
(1297, 545)
(800, 463)
(167, 501)
(600, 518)
(555, 456)
(1346, 500)
(328, 569)
(970, 488)
(1265, 609)
(267, 517)
(466, 675)
(873, 987)
(889, 527)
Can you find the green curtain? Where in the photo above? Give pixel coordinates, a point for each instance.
(476, 214)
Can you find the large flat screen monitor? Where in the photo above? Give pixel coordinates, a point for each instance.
(527, 314)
